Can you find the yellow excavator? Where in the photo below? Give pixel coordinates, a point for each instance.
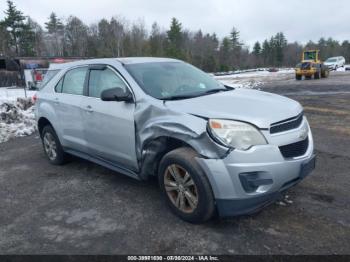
(311, 66)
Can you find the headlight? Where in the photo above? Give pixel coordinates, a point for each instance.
(236, 134)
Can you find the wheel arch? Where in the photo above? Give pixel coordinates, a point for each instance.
(42, 122)
(154, 150)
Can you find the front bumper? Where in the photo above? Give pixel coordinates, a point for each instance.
(236, 207)
(264, 166)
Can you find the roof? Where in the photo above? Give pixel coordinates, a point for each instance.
(139, 60)
(123, 60)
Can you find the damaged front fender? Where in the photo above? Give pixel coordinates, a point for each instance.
(155, 123)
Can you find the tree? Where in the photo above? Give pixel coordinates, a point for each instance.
(4, 40)
(224, 54)
(234, 37)
(257, 49)
(346, 50)
(280, 43)
(236, 47)
(266, 52)
(157, 41)
(31, 41)
(175, 40)
(14, 24)
(76, 35)
(55, 36)
(54, 25)
(138, 38)
(257, 53)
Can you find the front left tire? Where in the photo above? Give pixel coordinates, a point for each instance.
(185, 186)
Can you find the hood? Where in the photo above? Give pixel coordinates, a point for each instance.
(256, 107)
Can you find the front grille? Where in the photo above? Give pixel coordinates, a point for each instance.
(287, 124)
(295, 149)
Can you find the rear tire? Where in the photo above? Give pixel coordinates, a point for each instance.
(298, 77)
(52, 146)
(185, 186)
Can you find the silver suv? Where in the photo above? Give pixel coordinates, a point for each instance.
(212, 147)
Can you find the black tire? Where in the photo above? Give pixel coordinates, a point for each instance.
(185, 158)
(307, 77)
(61, 157)
(298, 77)
(317, 75)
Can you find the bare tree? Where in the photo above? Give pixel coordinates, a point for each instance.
(76, 35)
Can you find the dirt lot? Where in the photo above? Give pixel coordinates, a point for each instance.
(82, 208)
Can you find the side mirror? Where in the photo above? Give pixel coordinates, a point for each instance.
(116, 94)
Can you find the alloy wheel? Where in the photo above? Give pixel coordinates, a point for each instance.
(180, 188)
(50, 146)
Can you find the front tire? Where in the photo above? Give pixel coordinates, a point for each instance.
(52, 146)
(298, 77)
(185, 186)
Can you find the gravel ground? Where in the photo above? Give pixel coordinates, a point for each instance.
(82, 208)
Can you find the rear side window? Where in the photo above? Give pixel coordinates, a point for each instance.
(73, 82)
(101, 80)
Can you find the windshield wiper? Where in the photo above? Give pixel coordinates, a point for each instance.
(187, 96)
(179, 97)
(217, 90)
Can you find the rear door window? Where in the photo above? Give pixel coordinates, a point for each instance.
(74, 81)
(101, 80)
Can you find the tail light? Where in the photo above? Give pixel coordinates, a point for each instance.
(34, 98)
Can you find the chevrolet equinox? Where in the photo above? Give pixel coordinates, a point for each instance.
(213, 148)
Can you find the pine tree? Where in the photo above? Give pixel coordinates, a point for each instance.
(225, 51)
(280, 44)
(55, 29)
(266, 52)
(175, 40)
(236, 47)
(54, 25)
(14, 24)
(257, 49)
(234, 37)
(27, 39)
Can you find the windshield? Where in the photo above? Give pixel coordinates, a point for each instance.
(171, 80)
(47, 77)
(310, 55)
(331, 60)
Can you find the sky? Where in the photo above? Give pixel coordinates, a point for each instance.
(300, 20)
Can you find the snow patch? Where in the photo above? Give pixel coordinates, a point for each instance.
(254, 78)
(16, 114)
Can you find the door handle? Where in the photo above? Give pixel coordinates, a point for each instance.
(89, 109)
